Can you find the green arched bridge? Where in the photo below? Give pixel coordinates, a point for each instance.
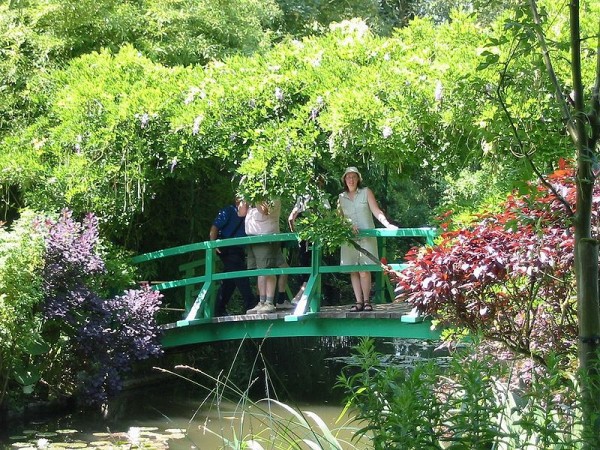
(199, 282)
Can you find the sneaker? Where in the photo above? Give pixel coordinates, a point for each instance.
(266, 308)
(256, 309)
(285, 305)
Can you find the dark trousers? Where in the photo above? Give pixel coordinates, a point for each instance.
(234, 259)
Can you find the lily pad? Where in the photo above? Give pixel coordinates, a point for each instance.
(177, 436)
(77, 445)
(46, 434)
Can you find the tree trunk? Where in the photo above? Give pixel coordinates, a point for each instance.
(586, 248)
(584, 129)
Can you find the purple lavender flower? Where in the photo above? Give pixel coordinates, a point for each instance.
(101, 338)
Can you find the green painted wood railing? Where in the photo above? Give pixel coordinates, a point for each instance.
(202, 305)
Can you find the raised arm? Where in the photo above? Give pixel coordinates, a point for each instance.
(292, 218)
(243, 209)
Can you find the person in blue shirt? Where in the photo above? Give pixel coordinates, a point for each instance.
(228, 224)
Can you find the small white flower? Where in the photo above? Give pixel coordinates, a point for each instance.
(38, 143)
(439, 91)
(194, 92)
(133, 435)
(196, 127)
(144, 120)
(279, 94)
(189, 99)
(42, 443)
(387, 131)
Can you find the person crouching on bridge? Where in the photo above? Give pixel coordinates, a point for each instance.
(228, 224)
(358, 205)
(262, 219)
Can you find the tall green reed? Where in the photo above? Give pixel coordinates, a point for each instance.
(266, 423)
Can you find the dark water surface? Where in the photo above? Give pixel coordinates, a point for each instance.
(209, 396)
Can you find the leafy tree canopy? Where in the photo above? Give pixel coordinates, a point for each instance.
(120, 131)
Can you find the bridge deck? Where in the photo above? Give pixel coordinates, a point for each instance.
(385, 311)
(386, 320)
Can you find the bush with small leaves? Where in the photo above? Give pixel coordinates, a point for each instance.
(94, 340)
(509, 275)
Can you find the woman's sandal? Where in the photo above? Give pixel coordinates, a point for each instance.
(367, 307)
(358, 307)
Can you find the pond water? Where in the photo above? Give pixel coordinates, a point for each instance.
(209, 397)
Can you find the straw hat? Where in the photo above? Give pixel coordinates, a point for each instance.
(351, 169)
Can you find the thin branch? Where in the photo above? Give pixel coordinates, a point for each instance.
(515, 132)
(560, 98)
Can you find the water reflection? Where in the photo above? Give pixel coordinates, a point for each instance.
(205, 399)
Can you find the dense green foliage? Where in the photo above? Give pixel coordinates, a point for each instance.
(123, 136)
(149, 113)
(65, 327)
(21, 264)
(475, 402)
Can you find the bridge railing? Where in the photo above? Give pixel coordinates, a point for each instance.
(203, 306)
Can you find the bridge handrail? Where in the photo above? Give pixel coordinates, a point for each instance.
(312, 292)
(425, 232)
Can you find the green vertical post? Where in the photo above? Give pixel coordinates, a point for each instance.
(315, 276)
(379, 282)
(211, 295)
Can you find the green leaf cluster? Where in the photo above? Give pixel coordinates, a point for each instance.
(21, 262)
(472, 399)
(120, 133)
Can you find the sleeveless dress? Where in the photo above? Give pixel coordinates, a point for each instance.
(359, 213)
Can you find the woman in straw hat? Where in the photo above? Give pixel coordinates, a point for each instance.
(358, 205)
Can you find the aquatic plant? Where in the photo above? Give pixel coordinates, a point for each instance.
(267, 423)
(476, 402)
